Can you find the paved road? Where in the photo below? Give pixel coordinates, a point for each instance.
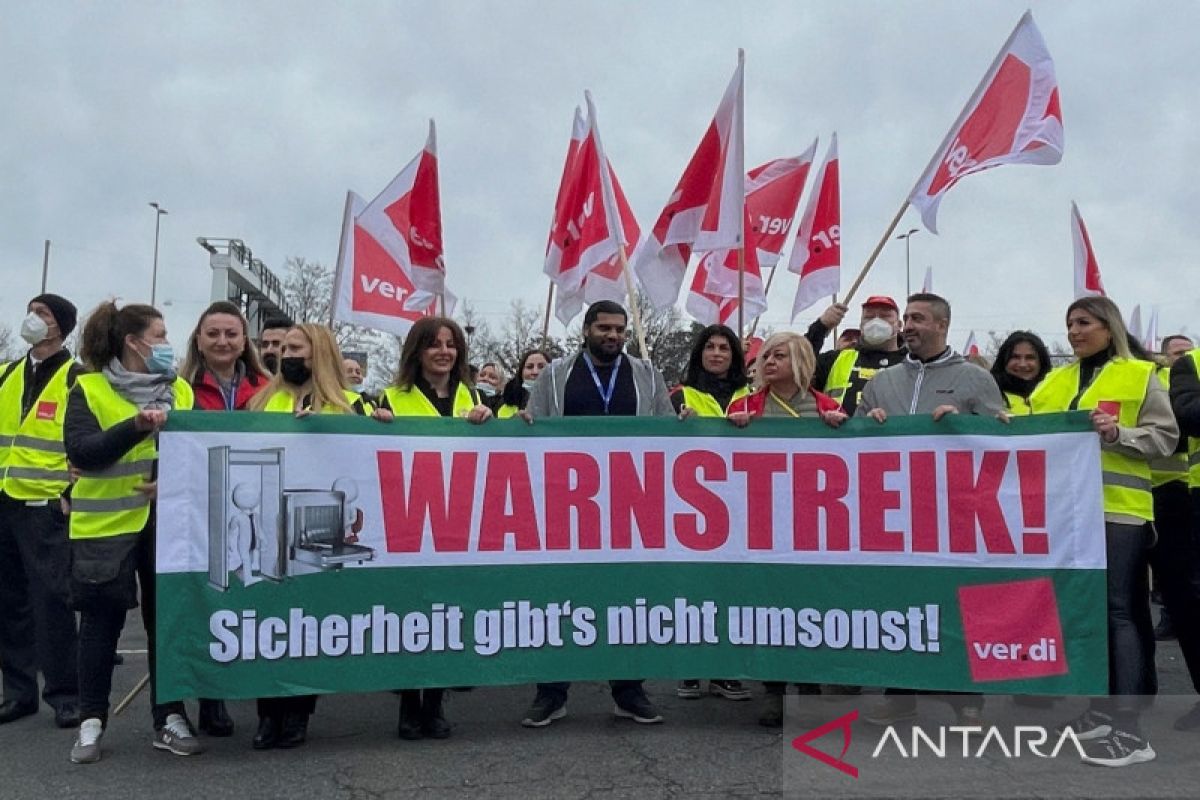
(710, 748)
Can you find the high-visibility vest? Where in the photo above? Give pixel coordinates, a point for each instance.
(1193, 449)
(105, 502)
(33, 460)
(284, 401)
(1126, 479)
(507, 411)
(704, 404)
(1174, 467)
(412, 402)
(1018, 404)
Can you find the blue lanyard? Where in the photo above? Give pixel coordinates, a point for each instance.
(612, 380)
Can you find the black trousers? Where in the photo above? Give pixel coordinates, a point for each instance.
(1130, 628)
(101, 618)
(1176, 562)
(37, 625)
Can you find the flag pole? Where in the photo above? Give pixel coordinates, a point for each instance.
(546, 319)
(862, 274)
(638, 330)
(741, 289)
(766, 291)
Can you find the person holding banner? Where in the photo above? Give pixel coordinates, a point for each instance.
(1131, 413)
(1185, 401)
(432, 380)
(310, 381)
(515, 395)
(1021, 363)
(599, 380)
(843, 372)
(113, 416)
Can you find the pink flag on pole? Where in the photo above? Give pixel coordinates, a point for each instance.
(1087, 271)
(406, 220)
(1134, 325)
(1012, 118)
(705, 210)
(971, 348)
(817, 254)
(1150, 341)
(927, 284)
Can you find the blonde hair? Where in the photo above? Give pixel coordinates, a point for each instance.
(328, 382)
(1109, 316)
(804, 363)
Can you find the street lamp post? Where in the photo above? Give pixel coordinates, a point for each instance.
(907, 259)
(158, 214)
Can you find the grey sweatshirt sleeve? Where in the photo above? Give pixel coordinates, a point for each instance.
(1156, 432)
(986, 399)
(540, 399)
(662, 406)
(867, 400)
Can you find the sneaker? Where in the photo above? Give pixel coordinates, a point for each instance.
(1189, 721)
(86, 749)
(545, 709)
(688, 690)
(1118, 749)
(892, 709)
(177, 737)
(1089, 725)
(639, 709)
(730, 690)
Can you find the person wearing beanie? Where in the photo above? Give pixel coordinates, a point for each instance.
(37, 625)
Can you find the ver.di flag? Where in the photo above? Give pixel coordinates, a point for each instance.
(1087, 271)
(705, 210)
(1012, 118)
(971, 348)
(817, 254)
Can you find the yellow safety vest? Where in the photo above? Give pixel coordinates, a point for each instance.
(1193, 449)
(705, 405)
(1018, 404)
(33, 460)
(105, 502)
(412, 402)
(507, 411)
(1126, 479)
(284, 401)
(1175, 466)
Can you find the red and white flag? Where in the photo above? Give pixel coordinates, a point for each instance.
(927, 284)
(592, 222)
(817, 255)
(708, 308)
(1150, 341)
(1087, 271)
(1134, 325)
(370, 288)
(1012, 118)
(406, 220)
(971, 348)
(705, 210)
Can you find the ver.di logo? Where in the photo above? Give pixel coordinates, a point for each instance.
(842, 723)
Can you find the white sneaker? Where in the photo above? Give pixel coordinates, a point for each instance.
(1118, 749)
(86, 749)
(177, 737)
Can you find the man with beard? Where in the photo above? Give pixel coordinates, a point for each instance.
(600, 380)
(270, 343)
(842, 373)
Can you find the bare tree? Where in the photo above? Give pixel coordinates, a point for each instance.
(10, 348)
(520, 333)
(668, 338)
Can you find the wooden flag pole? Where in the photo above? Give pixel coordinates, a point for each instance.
(741, 290)
(546, 319)
(875, 253)
(633, 303)
(133, 693)
(766, 291)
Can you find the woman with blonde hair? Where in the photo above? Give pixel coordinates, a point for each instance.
(783, 385)
(1131, 413)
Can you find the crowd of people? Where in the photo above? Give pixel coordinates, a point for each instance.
(78, 474)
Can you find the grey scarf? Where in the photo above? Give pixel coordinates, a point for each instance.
(143, 389)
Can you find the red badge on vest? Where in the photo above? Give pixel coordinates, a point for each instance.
(47, 409)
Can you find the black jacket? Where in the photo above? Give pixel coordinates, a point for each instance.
(1185, 396)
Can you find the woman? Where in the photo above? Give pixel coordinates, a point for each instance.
(488, 380)
(783, 389)
(113, 414)
(715, 374)
(516, 391)
(1131, 414)
(224, 371)
(431, 381)
(310, 381)
(1021, 363)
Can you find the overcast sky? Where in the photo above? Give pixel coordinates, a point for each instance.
(251, 120)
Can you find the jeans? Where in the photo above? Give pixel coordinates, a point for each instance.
(623, 692)
(1130, 629)
(1176, 561)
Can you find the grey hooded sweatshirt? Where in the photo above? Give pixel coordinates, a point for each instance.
(547, 395)
(916, 387)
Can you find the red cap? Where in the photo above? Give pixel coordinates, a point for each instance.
(881, 300)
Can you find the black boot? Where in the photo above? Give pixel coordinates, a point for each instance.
(214, 718)
(410, 715)
(293, 731)
(268, 733)
(433, 724)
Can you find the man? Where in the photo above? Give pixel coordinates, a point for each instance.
(843, 373)
(600, 380)
(1175, 346)
(1172, 508)
(1181, 585)
(848, 338)
(932, 379)
(37, 624)
(270, 342)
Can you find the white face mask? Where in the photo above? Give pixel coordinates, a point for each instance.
(34, 329)
(876, 331)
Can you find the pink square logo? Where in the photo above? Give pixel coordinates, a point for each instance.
(1012, 630)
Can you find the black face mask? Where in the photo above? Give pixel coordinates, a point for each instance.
(293, 370)
(271, 362)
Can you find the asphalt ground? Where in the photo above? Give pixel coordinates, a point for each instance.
(708, 748)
